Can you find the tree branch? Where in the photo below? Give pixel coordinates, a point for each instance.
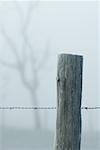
(26, 40)
(20, 12)
(11, 44)
(7, 64)
(25, 82)
(45, 56)
(24, 28)
(32, 7)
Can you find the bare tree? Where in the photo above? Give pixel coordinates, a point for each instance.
(22, 63)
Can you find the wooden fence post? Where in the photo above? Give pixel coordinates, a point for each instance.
(69, 92)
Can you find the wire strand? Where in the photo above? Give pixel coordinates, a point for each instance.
(42, 108)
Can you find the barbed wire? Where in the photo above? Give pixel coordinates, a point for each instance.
(94, 107)
(42, 108)
(26, 108)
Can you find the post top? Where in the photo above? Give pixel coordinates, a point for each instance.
(70, 54)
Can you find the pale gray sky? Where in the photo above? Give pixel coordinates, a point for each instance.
(70, 27)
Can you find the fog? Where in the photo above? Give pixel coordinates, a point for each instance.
(32, 33)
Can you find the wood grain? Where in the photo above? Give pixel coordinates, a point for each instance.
(69, 93)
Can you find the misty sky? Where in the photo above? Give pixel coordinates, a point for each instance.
(69, 27)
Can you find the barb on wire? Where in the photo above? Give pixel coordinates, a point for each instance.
(41, 108)
(97, 107)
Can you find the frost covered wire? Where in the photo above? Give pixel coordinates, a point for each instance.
(40, 108)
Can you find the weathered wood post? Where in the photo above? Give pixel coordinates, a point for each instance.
(69, 91)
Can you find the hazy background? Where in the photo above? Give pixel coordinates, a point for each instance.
(32, 33)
